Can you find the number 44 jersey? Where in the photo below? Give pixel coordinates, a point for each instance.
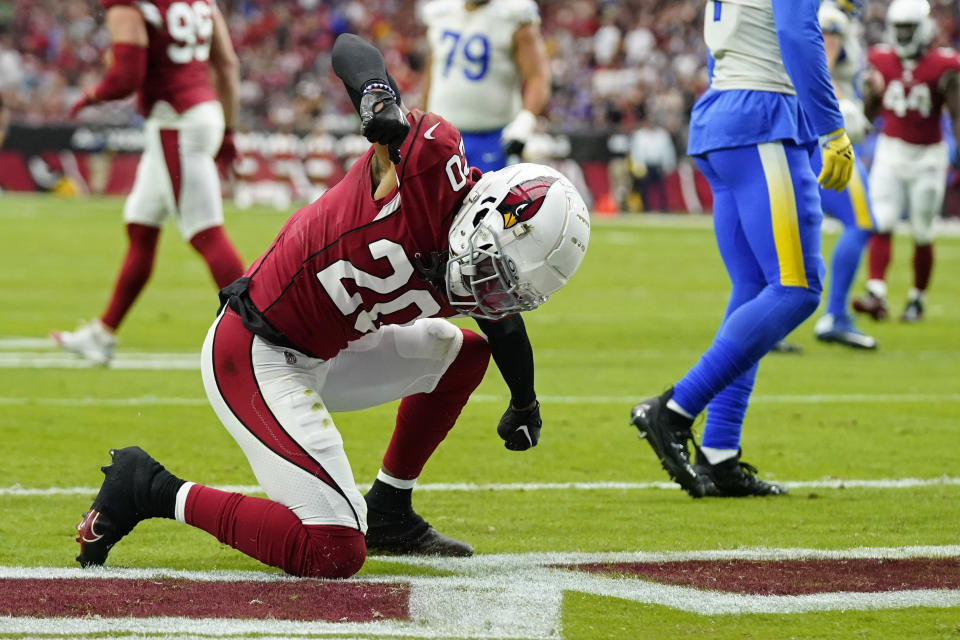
(913, 92)
(346, 264)
(179, 35)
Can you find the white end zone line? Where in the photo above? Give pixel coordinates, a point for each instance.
(17, 490)
(495, 596)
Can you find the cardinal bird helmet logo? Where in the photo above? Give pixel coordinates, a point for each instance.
(524, 200)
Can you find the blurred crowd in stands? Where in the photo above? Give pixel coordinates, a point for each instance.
(632, 68)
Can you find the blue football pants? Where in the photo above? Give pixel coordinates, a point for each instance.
(852, 208)
(484, 150)
(767, 216)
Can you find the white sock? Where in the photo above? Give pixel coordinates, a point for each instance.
(877, 288)
(178, 510)
(716, 456)
(397, 483)
(673, 406)
(915, 294)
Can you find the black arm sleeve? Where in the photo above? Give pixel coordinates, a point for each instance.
(513, 354)
(358, 63)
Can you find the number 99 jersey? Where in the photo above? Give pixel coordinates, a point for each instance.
(345, 265)
(474, 80)
(179, 36)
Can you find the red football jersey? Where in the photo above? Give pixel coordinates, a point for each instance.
(344, 265)
(179, 35)
(913, 93)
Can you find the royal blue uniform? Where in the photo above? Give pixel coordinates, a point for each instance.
(753, 134)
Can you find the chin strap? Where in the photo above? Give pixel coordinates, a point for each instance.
(432, 269)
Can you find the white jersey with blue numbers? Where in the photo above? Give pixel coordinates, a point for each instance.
(742, 39)
(474, 80)
(848, 69)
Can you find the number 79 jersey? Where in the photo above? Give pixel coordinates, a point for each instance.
(474, 80)
(345, 265)
(913, 93)
(179, 35)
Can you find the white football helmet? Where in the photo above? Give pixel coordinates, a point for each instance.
(910, 28)
(520, 235)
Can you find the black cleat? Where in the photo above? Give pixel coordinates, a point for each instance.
(734, 478)
(409, 534)
(913, 312)
(668, 432)
(394, 527)
(125, 498)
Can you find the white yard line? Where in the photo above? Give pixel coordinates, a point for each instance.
(829, 483)
(124, 360)
(9, 343)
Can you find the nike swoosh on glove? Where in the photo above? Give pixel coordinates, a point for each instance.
(520, 428)
(382, 121)
(837, 152)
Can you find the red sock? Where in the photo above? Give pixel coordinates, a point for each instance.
(879, 256)
(922, 265)
(272, 533)
(134, 273)
(222, 258)
(424, 419)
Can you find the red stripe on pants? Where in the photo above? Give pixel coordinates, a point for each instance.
(170, 143)
(233, 371)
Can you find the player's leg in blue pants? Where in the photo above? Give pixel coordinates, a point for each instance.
(484, 150)
(767, 223)
(852, 208)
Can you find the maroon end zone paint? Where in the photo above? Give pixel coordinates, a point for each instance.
(793, 577)
(122, 598)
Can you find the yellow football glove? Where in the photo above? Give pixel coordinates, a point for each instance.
(837, 153)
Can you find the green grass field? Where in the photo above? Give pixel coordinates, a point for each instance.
(644, 305)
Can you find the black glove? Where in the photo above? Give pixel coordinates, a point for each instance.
(382, 121)
(520, 428)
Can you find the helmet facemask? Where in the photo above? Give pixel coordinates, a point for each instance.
(483, 282)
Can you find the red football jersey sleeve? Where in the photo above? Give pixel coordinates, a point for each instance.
(179, 36)
(913, 94)
(348, 263)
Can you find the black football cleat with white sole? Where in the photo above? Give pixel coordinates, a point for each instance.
(733, 478)
(133, 489)
(668, 433)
